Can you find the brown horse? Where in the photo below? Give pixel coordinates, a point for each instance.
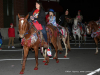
(65, 39)
(93, 29)
(26, 31)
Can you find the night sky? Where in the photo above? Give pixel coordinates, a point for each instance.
(89, 9)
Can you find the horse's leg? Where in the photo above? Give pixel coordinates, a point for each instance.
(44, 55)
(26, 50)
(79, 39)
(55, 46)
(47, 58)
(36, 57)
(64, 39)
(84, 38)
(54, 56)
(74, 38)
(96, 42)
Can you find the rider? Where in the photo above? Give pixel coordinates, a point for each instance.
(38, 16)
(62, 19)
(47, 17)
(52, 18)
(80, 18)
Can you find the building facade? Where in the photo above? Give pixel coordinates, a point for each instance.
(9, 9)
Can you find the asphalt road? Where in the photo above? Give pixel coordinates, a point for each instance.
(80, 61)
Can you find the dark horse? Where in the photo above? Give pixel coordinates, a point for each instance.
(26, 31)
(93, 29)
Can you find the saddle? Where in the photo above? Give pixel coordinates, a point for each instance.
(80, 28)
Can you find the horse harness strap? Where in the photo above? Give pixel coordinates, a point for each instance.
(94, 34)
(76, 28)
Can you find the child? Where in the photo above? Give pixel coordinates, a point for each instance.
(52, 19)
(0, 40)
(11, 35)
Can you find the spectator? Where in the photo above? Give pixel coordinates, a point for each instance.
(0, 40)
(11, 35)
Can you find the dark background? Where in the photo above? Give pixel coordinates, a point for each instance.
(90, 9)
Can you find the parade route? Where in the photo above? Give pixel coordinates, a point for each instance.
(80, 61)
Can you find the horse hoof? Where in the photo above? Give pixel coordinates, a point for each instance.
(35, 68)
(68, 50)
(57, 61)
(54, 58)
(96, 53)
(45, 64)
(65, 56)
(44, 61)
(21, 73)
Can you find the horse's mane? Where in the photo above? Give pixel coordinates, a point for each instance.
(75, 21)
(93, 23)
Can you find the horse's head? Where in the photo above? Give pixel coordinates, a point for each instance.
(22, 25)
(89, 27)
(75, 22)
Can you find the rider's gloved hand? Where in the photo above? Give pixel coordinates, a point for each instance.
(31, 17)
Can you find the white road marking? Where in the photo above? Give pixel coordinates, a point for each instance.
(39, 49)
(84, 48)
(11, 50)
(86, 40)
(98, 70)
(83, 43)
(29, 59)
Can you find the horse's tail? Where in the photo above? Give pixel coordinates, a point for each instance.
(67, 40)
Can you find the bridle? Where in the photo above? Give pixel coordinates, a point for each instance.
(26, 32)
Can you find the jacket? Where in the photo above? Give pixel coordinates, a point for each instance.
(62, 18)
(41, 16)
(0, 41)
(11, 32)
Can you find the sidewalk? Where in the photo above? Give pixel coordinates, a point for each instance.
(17, 43)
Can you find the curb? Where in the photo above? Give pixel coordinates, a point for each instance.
(16, 45)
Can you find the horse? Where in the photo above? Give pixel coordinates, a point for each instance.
(31, 38)
(94, 30)
(78, 31)
(65, 38)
